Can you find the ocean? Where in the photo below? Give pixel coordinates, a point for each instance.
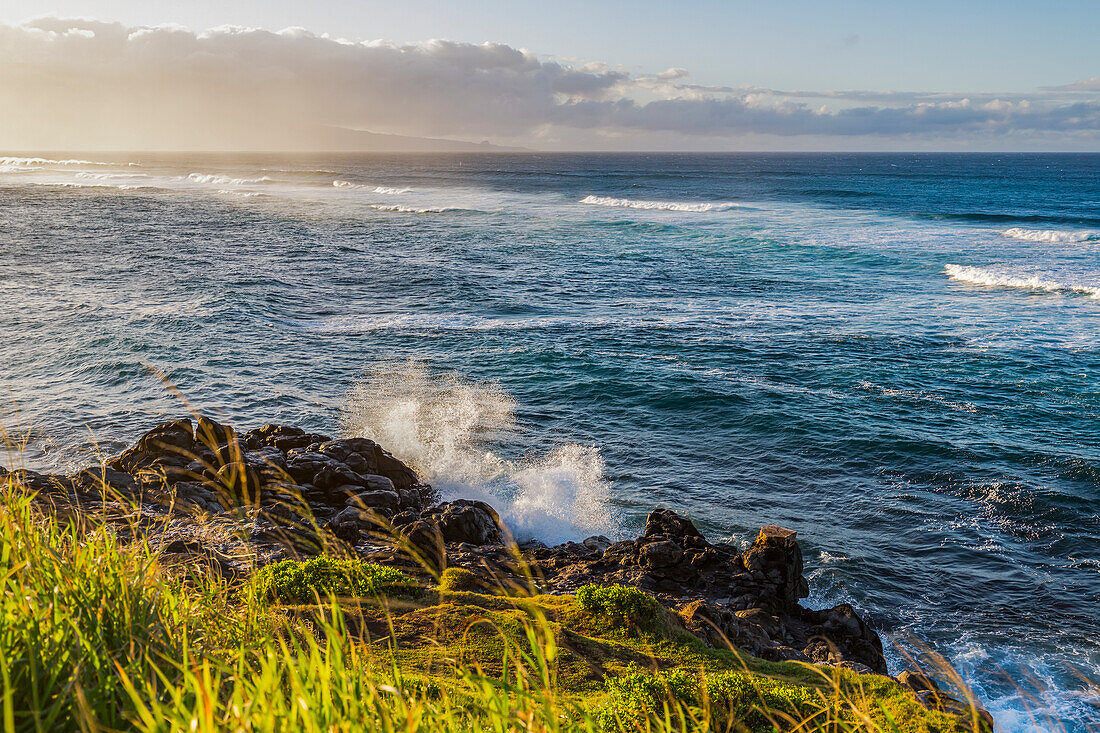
(898, 355)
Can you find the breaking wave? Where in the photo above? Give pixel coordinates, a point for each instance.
(415, 209)
(451, 430)
(38, 162)
(979, 276)
(658, 205)
(214, 180)
(1050, 235)
(387, 190)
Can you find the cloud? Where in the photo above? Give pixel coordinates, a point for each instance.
(753, 114)
(70, 84)
(675, 72)
(1084, 85)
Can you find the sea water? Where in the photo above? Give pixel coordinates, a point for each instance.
(898, 356)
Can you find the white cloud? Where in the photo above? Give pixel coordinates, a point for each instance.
(68, 83)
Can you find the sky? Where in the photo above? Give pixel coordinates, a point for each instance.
(641, 75)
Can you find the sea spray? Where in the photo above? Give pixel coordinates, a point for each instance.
(451, 430)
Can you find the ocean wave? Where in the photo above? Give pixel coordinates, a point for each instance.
(38, 162)
(85, 175)
(979, 276)
(1050, 235)
(447, 428)
(416, 209)
(386, 190)
(215, 180)
(245, 194)
(697, 207)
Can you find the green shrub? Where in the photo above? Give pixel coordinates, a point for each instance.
(291, 580)
(623, 605)
(731, 700)
(454, 580)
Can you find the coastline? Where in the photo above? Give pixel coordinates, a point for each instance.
(233, 503)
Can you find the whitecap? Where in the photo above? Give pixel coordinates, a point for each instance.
(39, 162)
(980, 276)
(207, 178)
(697, 207)
(414, 209)
(384, 190)
(1050, 235)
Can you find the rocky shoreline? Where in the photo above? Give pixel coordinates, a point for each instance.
(232, 501)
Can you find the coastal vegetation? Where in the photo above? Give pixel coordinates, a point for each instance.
(102, 630)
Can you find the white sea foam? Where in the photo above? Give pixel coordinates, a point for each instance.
(658, 205)
(1050, 235)
(234, 192)
(414, 209)
(980, 276)
(385, 190)
(450, 429)
(40, 162)
(215, 180)
(85, 175)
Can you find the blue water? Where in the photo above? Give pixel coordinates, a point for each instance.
(896, 355)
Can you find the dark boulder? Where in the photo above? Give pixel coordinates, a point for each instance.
(775, 562)
(423, 543)
(167, 448)
(667, 523)
(660, 554)
(464, 520)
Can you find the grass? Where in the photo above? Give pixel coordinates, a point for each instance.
(98, 633)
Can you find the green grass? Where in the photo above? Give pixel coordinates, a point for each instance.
(99, 633)
(320, 577)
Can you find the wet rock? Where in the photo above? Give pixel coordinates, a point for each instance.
(847, 636)
(464, 520)
(721, 628)
(168, 447)
(380, 499)
(239, 482)
(405, 518)
(661, 554)
(667, 523)
(928, 693)
(597, 543)
(94, 480)
(775, 561)
(423, 542)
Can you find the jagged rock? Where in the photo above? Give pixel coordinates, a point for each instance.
(849, 637)
(667, 523)
(240, 481)
(775, 560)
(168, 447)
(94, 480)
(597, 543)
(379, 499)
(661, 554)
(405, 518)
(931, 697)
(917, 682)
(464, 520)
(423, 542)
(720, 628)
